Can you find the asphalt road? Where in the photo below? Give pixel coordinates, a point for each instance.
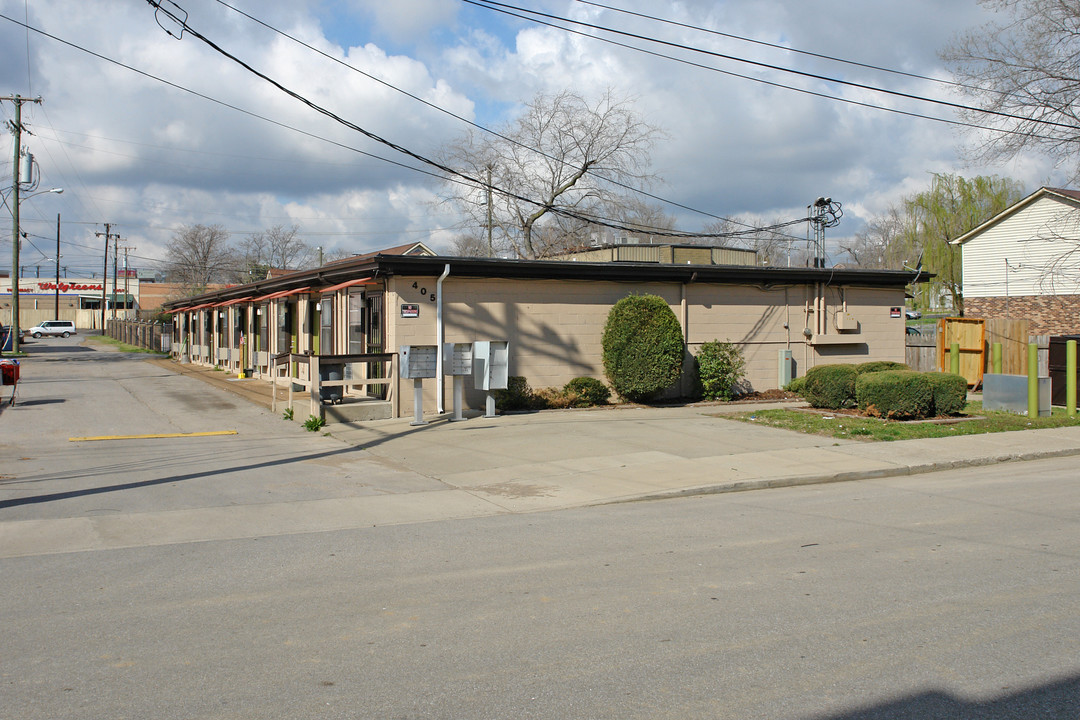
(950, 595)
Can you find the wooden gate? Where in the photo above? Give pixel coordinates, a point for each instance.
(970, 335)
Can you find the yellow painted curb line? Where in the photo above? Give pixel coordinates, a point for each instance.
(146, 437)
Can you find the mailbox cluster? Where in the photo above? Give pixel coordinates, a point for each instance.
(487, 361)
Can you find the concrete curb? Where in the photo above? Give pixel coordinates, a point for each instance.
(797, 481)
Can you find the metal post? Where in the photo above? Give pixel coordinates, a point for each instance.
(418, 402)
(57, 288)
(1033, 380)
(490, 406)
(1070, 378)
(459, 395)
(995, 355)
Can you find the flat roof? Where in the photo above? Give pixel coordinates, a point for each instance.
(382, 266)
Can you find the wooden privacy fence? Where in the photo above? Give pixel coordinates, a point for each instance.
(928, 350)
(149, 335)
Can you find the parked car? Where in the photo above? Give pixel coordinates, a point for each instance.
(913, 314)
(63, 328)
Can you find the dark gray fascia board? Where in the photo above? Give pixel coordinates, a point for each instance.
(388, 265)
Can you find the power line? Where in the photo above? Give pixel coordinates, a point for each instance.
(775, 46)
(186, 28)
(499, 7)
(466, 120)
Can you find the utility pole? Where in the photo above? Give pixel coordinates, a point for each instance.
(105, 271)
(491, 247)
(16, 128)
(116, 252)
(126, 294)
(56, 288)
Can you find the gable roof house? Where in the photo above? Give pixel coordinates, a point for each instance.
(1025, 263)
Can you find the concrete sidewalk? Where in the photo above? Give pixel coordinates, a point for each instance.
(565, 458)
(273, 478)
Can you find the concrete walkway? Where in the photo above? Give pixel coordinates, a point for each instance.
(557, 459)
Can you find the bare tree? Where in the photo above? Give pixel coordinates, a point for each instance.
(198, 255)
(774, 247)
(277, 247)
(1027, 67)
(881, 244)
(563, 155)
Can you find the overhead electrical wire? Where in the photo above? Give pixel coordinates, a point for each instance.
(775, 46)
(502, 8)
(457, 176)
(181, 23)
(465, 120)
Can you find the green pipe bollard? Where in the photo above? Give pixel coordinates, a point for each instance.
(995, 356)
(1033, 380)
(954, 359)
(1070, 378)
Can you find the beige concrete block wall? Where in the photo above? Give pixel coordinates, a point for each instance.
(555, 327)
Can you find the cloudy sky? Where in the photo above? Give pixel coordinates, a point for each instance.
(183, 135)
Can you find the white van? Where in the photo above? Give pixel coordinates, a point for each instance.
(63, 328)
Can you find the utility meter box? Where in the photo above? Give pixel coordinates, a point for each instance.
(491, 364)
(846, 321)
(457, 359)
(417, 361)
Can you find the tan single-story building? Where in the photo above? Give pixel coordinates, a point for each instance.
(552, 313)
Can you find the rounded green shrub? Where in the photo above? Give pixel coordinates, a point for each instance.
(642, 347)
(950, 392)
(879, 366)
(720, 369)
(516, 396)
(797, 385)
(587, 391)
(830, 386)
(895, 394)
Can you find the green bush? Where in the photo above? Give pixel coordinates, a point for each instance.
(949, 391)
(879, 366)
(894, 394)
(586, 392)
(721, 367)
(797, 385)
(313, 423)
(642, 347)
(516, 396)
(830, 386)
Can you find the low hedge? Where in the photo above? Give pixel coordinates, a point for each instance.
(950, 392)
(830, 386)
(586, 392)
(879, 366)
(895, 394)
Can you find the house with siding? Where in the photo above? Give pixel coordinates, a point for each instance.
(1025, 263)
(552, 313)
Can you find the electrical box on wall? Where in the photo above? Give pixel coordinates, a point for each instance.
(846, 321)
(417, 361)
(491, 364)
(457, 358)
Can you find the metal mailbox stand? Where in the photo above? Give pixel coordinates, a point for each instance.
(491, 369)
(457, 362)
(418, 362)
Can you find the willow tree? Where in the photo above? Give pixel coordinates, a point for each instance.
(565, 157)
(952, 206)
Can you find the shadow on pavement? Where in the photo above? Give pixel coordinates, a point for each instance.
(1057, 699)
